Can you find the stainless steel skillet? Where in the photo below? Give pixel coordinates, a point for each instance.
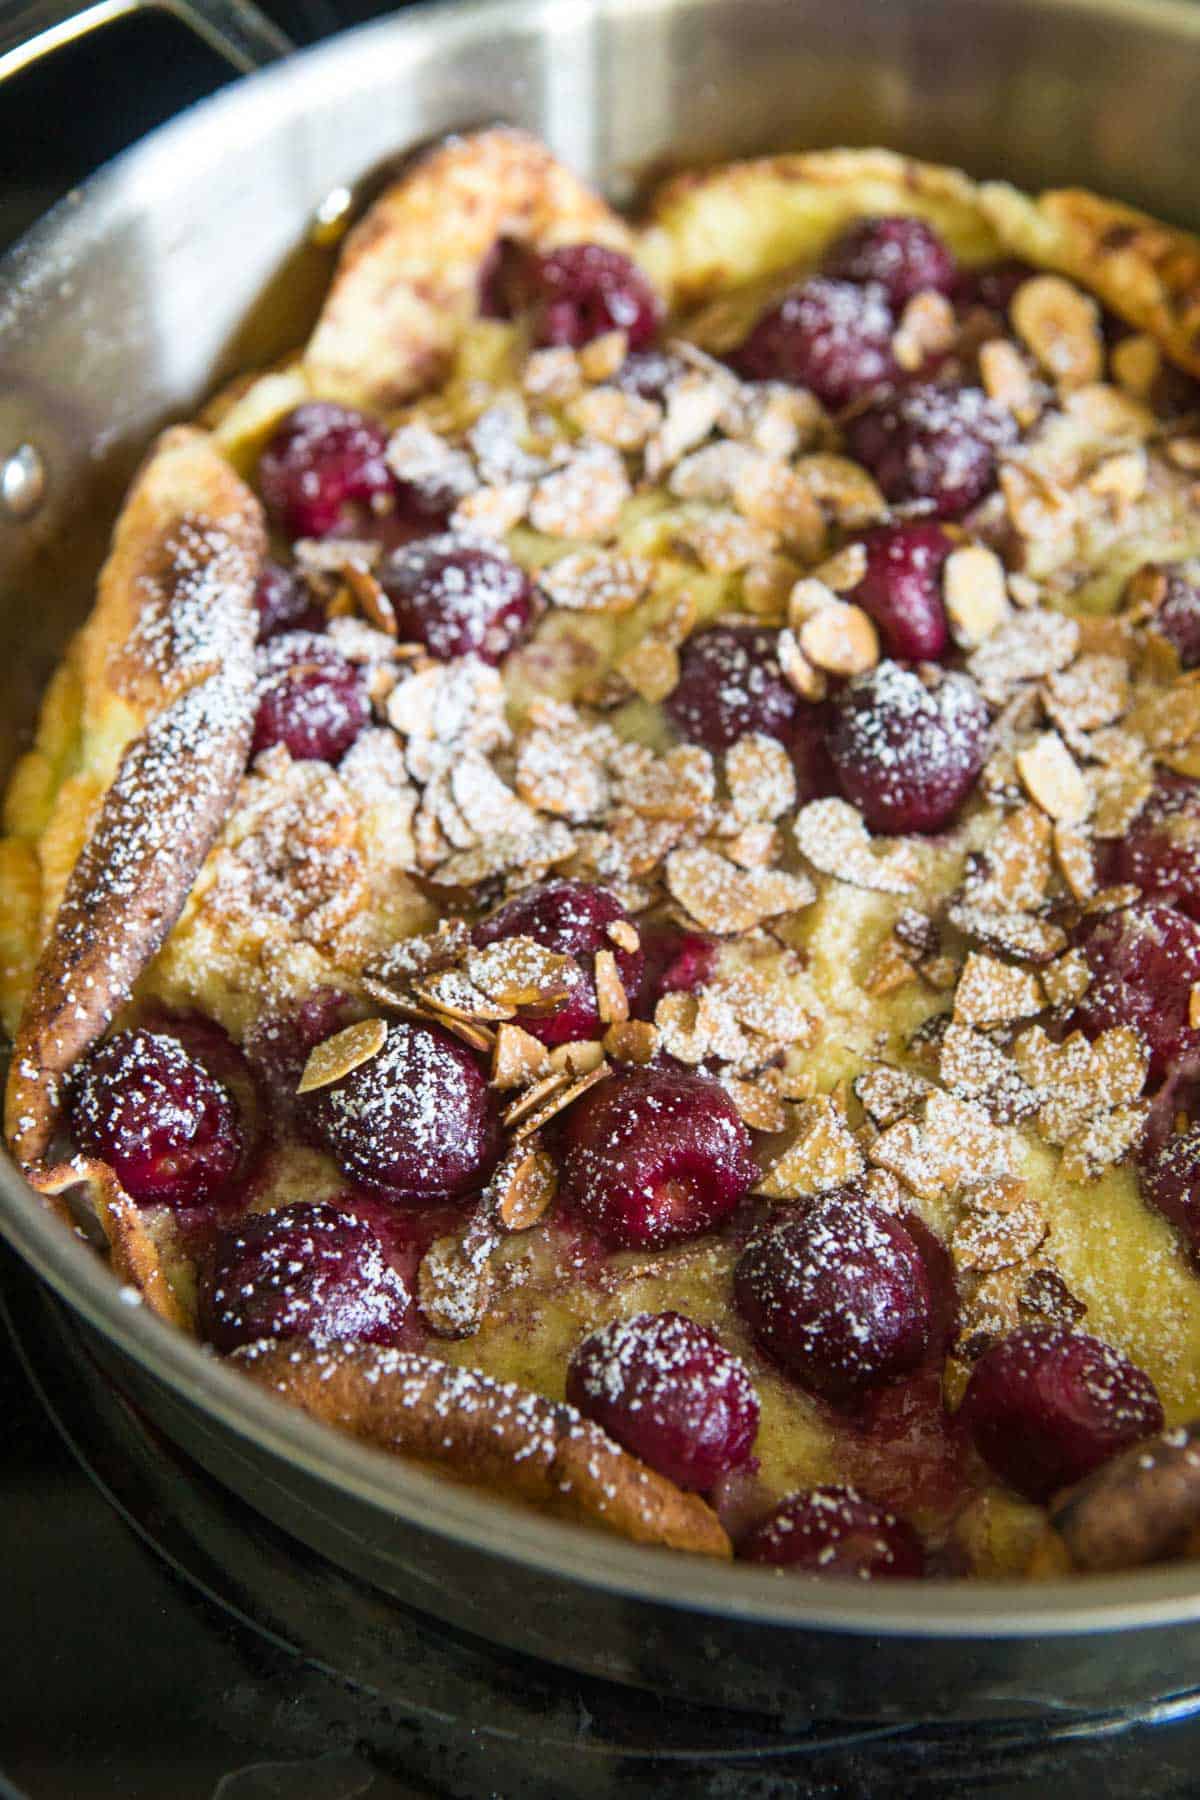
(191, 256)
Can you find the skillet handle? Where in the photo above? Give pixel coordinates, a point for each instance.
(235, 29)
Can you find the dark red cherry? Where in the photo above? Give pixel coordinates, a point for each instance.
(1178, 616)
(1144, 960)
(808, 745)
(1046, 1406)
(416, 1124)
(906, 754)
(311, 699)
(993, 285)
(1160, 852)
(668, 1391)
(278, 1044)
(571, 918)
(573, 294)
(655, 1156)
(902, 589)
(832, 337)
(903, 254)
(834, 1530)
(838, 1294)
(1169, 1177)
(459, 598)
(284, 603)
(320, 460)
(165, 1125)
(932, 445)
(677, 961)
(306, 1271)
(730, 683)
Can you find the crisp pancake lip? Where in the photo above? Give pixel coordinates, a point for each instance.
(486, 1432)
(171, 641)
(167, 670)
(407, 279)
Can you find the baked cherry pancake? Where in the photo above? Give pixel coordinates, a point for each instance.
(609, 897)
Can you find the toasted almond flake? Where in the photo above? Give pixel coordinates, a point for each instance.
(891, 967)
(584, 498)
(1103, 1141)
(809, 682)
(679, 785)
(593, 581)
(479, 1037)
(832, 835)
(1122, 476)
(758, 1105)
(1019, 935)
(887, 1093)
(495, 510)
(1093, 691)
(552, 374)
(1169, 716)
(1194, 1006)
(1002, 1194)
(822, 1156)
(991, 992)
(523, 1187)
(651, 668)
(344, 1051)
(985, 1241)
(1061, 325)
(975, 593)
(1121, 794)
(927, 328)
(612, 1002)
(557, 1100)
(579, 1057)
(517, 1058)
(632, 1041)
(771, 498)
(761, 778)
(844, 487)
(454, 1285)
(1073, 853)
(1067, 979)
(1006, 378)
(452, 993)
(722, 542)
(941, 972)
(519, 972)
(1184, 452)
(953, 1143)
(709, 474)
(625, 421)
(370, 598)
(1052, 779)
(766, 586)
(841, 639)
(535, 1096)
(693, 405)
(1185, 761)
(624, 934)
(604, 355)
(843, 571)
(728, 900)
(1136, 364)
(1023, 591)
(808, 597)
(754, 846)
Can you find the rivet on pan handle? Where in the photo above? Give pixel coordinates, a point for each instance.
(235, 29)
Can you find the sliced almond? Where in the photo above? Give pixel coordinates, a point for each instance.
(975, 592)
(1006, 379)
(579, 1057)
(1184, 452)
(758, 1105)
(887, 1093)
(632, 1041)
(724, 543)
(1136, 364)
(1061, 325)
(624, 934)
(808, 681)
(479, 1037)
(987, 1240)
(1067, 978)
(892, 967)
(519, 973)
(771, 498)
(927, 328)
(454, 1285)
(1052, 779)
(1121, 477)
(1077, 865)
(840, 639)
(843, 571)
(604, 355)
(832, 835)
(822, 1156)
(626, 421)
(593, 581)
(612, 1002)
(651, 668)
(561, 1098)
(991, 992)
(760, 777)
(343, 1052)
(518, 1058)
(523, 1187)
(728, 900)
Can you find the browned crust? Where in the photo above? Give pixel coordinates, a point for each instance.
(1145, 271)
(168, 661)
(134, 1256)
(1142, 1507)
(408, 277)
(489, 1433)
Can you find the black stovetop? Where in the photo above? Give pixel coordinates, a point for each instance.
(162, 1643)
